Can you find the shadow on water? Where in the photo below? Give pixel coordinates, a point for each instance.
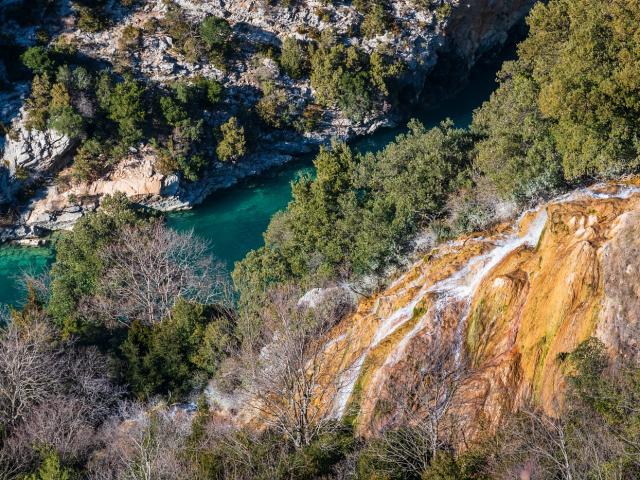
(234, 220)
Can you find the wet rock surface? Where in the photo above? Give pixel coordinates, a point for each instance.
(499, 310)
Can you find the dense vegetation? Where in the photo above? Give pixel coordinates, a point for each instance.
(351, 218)
(349, 78)
(110, 113)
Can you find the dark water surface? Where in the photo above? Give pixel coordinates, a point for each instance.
(233, 220)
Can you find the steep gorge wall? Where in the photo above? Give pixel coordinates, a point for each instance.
(496, 313)
(421, 37)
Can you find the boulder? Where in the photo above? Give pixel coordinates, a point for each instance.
(38, 152)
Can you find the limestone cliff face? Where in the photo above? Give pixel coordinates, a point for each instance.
(476, 26)
(461, 30)
(500, 310)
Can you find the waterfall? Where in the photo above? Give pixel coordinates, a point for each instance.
(460, 287)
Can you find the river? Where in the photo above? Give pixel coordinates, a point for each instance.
(233, 220)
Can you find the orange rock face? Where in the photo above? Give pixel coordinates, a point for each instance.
(497, 313)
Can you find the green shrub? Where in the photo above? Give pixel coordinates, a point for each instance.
(199, 92)
(275, 108)
(376, 20)
(62, 116)
(90, 161)
(38, 60)
(126, 108)
(52, 469)
(311, 116)
(294, 58)
(215, 32)
(90, 20)
(211, 90)
(177, 355)
(67, 121)
(443, 11)
(173, 111)
(37, 105)
(178, 153)
(209, 40)
(232, 145)
(384, 69)
(130, 38)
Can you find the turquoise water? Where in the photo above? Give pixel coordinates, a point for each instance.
(233, 220)
(15, 261)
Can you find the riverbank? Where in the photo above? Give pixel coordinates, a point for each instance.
(232, 220)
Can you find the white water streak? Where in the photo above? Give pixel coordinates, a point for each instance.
(461, 286)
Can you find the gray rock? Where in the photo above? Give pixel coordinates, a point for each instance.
(37, 152)
(20, 232)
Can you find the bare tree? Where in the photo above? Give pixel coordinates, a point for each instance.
(30, 370)
(238, 453)
(51, 394)
(535, 445)
(426, 408)
(150, 266)
(286, 378)
(61, 424)
(143, 444)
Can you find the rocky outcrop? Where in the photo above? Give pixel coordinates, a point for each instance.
(497, 313)
(460, 29)
(58, 206)
(36, 152)
(475, 27)
(29, 157)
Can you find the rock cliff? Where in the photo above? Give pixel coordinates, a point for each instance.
(492, 316)
(460, 31)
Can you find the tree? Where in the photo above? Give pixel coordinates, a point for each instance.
(148, 267)
(567, 108)
(384, 68)
(37, 105)
(376, 20)
(294, 58)
(62, 116)
(215, 32)
(143, 445)
(359, 211)
(427, 422)
(38, 60)
(179, 354)
(285, 372)
(126, 107)
(275, 108)
(340, 76)
(90, 160)
(52, 394)
(78, 265)
(516, 150)
(50, 469)
(199, 91)
(174, 112)
(232, 146)
(30, 371)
